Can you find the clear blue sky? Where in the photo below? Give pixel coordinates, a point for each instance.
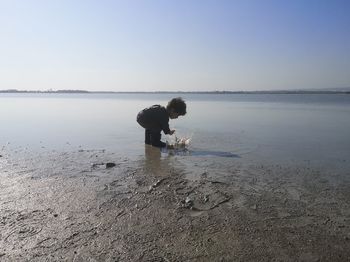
(174, 45)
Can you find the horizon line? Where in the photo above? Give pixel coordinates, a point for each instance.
(282, 91)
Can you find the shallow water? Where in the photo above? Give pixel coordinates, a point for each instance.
(226, 129)
(257, 171)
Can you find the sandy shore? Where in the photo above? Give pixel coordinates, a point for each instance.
(67, 206)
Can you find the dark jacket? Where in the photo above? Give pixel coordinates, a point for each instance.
(155, 117)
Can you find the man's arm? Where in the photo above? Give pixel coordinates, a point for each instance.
(165, 126)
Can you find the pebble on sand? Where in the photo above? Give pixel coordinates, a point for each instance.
(110, 164)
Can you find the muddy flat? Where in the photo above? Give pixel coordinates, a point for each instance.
(69, 206)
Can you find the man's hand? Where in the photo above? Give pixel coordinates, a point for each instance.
(172, 132)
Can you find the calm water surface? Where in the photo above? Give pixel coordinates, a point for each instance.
(291, 129)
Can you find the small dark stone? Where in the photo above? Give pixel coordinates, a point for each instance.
(0, 155)
(55, 215)
(110, 164)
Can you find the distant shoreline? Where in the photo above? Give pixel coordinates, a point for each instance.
(15, 91)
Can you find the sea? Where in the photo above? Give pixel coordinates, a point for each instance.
(225, 129)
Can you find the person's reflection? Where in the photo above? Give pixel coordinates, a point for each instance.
(153, 162)
(152, 159)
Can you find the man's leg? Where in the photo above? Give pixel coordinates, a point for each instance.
(147, 136)
(155, 139)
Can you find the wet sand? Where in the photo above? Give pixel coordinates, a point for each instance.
(67, 206)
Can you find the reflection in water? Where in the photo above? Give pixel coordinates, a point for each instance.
(152, 157)
(159, 164)
(154, 164)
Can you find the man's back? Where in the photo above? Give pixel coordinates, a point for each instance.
(154, 117)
